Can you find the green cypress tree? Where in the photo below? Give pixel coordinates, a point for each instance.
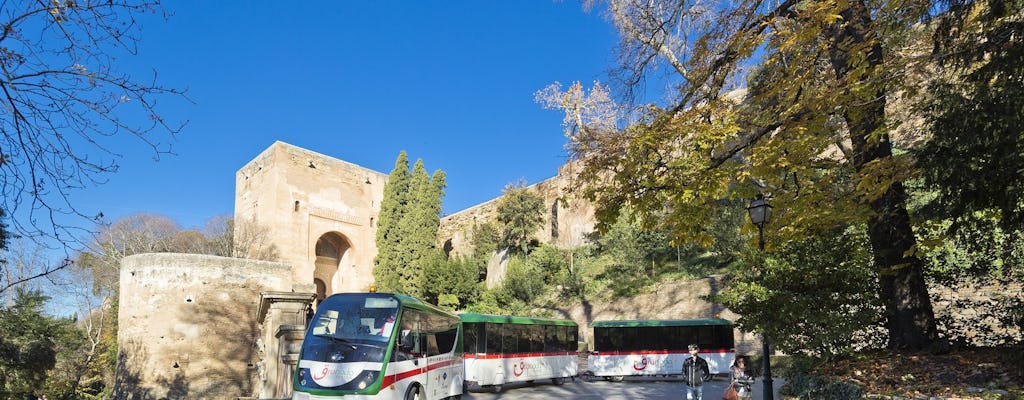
(422, 221)
(389, 227)
(417, 246)
(407, 228)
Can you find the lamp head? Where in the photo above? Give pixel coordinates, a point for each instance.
(759, 210)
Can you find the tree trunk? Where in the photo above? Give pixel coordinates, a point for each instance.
(908, 310)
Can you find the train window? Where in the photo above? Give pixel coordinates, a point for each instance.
(492, 334)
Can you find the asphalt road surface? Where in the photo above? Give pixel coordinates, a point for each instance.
(629, 389)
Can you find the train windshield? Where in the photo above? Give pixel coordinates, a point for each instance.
(352, 328)
(347, 341)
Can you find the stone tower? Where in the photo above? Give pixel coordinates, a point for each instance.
(318, 212)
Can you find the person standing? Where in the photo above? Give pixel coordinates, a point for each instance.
(695, 373)
(740, 380)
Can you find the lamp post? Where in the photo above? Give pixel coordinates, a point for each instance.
(760, 212)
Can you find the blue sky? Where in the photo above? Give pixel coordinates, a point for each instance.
(451, 82)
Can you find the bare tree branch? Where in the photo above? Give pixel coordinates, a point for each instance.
(62, 103)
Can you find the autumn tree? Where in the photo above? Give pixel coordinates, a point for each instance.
(86, 367)
(134, 234)
(65, 107)
(788, 99)
(520, 212)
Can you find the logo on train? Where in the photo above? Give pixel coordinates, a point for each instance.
(643, 364)
(518, 369)
(656, 363)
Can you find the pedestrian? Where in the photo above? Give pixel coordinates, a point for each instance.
(695, 373)
(740, 380)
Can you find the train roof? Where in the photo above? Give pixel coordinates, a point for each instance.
(510, 319)
(405, 300)
(661, 322)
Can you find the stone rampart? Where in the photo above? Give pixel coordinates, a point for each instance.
(567, 219)
(187, 324)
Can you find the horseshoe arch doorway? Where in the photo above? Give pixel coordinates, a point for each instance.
(332, 251)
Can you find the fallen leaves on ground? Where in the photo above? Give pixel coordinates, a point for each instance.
(948, 375)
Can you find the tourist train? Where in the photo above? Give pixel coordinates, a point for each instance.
(392, 346)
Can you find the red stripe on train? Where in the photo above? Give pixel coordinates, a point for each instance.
(629, 353)
(486, 356)
(391, 379)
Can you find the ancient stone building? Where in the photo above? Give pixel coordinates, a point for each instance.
(318, 212)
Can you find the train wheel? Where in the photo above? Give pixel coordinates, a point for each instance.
(496, 388)
(557, 381)
(413, 393)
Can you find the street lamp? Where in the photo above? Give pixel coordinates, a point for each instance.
(760, 212)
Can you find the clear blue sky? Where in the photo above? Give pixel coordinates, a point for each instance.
(451, 82)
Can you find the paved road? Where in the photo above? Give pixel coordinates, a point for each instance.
(629, 389)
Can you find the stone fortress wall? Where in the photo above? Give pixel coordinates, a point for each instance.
(187, 324)
(567, 220)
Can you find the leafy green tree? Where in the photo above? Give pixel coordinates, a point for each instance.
(524, 281)
(974, 109)
(811, 129)
(486, 239)
(551, 261)
(520, 211)
(498, 301)
(638, 251)
(812, 298)
(422, 219)
(28, 344)
(451, 281)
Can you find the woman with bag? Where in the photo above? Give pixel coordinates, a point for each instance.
(739, 386)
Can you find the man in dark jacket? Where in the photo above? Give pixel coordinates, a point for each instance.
(695, 373)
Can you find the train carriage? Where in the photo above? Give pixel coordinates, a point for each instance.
(658, 347)
(501, 349)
